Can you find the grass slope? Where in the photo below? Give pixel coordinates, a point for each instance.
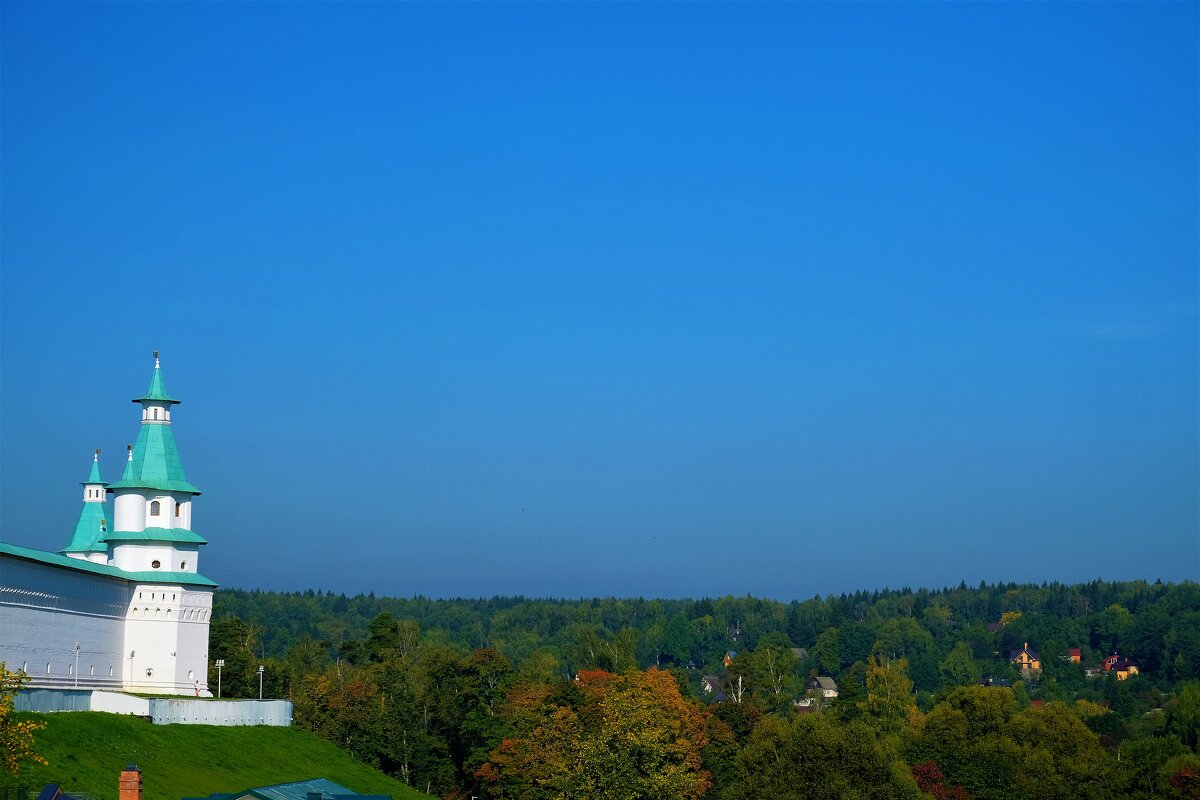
(87, 750)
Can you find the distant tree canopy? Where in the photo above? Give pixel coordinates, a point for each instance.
(509, 697)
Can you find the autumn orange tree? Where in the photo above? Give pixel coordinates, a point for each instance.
(16, 736)
(600, 737)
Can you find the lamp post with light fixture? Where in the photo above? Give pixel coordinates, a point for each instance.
(220, 663)
(261, 669)
(77, 665)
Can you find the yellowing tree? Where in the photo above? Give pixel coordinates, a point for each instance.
(890, 698)
(610, 737)
(16, 736)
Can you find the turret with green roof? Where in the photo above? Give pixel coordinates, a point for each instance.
(155, 462)
(153, 496)
(93, 519)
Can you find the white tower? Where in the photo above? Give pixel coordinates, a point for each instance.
(152, 506)
(151, 541)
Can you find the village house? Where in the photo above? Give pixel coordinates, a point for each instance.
(1026, 660)
(1123, 668)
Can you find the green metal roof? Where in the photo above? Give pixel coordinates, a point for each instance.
(88, 530)
(79, 565)
(94, 476)
(157, 390)
(158, 576)
(300, 790)
(177, 535)
(155, 463)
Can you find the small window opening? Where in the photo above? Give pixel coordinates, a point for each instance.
(183, 565)
(178, 509)
(154, 508)
(155, 564)
(156, 413)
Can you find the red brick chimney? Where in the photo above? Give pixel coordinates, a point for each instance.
(129, 787)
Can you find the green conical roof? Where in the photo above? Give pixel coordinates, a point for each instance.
(94, 476)
(155, 463)
(127, 475)
(157, 390)
(89, 529)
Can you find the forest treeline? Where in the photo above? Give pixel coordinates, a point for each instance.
(618, 698)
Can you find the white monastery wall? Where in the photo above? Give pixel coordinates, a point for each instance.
(191, 668)
(45, 610)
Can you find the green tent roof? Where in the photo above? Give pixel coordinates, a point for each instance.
(157, 390)
(94, 476)
(317, 788)
(89, 530)
(155, 463)
(177, 535)
(78, 564)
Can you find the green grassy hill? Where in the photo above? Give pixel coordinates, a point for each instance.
(86, 752)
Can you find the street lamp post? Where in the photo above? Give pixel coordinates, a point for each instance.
(220, 663)
(77, 665)
(261, 668)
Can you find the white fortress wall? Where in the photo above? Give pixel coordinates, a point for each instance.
(45, 610)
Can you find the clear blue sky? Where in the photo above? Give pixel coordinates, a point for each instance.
(660, 300)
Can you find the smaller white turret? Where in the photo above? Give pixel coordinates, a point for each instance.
(87, 542)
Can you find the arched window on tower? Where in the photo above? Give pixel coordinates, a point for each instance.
(155, 507)
(178, 510)
(156, 413)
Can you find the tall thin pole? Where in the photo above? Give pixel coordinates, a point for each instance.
(260, 674)
(77, 665)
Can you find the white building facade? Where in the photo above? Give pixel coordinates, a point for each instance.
(123, 605)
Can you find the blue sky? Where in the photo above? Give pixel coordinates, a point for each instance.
(614, 299)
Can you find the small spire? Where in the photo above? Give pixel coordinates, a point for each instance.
(157, 390)
(93, 478)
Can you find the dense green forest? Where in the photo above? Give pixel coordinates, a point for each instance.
(532, 698)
